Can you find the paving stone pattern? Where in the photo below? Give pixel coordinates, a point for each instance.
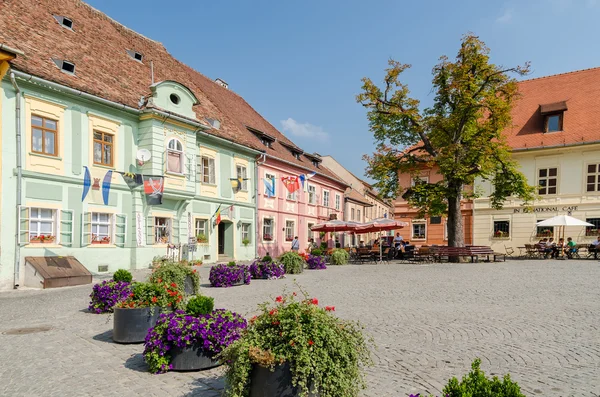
(537, 320)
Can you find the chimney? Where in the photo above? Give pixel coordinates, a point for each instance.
(222, 83)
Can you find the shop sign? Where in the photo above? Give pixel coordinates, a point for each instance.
(529, 210)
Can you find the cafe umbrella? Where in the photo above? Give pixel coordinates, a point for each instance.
(335, 226)
(562, 221)
(380, 225)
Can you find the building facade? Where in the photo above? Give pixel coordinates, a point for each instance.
(555, 140)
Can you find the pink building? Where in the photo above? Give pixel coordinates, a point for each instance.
(285, 215)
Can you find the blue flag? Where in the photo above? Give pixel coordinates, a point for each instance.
(269, 188)
(87, 182)
(106, 186)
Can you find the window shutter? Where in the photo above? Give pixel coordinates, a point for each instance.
(23, 225)
(86, 229)
(199, 168)
(174, 226)
(150, 238)
(119, 229)
(211, 168)
(65, 228)
(189, 167)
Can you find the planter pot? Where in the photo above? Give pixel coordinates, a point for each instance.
(131, 325)
(264, 383)
(191, 358)
(188, 286)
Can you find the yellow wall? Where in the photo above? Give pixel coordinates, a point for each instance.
(242, 195)
(205, 189)
(38, 162)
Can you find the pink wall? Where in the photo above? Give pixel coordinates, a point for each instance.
(280, 209)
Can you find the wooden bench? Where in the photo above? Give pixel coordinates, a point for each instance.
(473, 252)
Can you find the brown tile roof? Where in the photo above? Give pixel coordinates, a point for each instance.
(581, 123)
(355, 196)
(97, 46)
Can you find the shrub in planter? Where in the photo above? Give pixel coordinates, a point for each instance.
(153, 295)
(267, 270)
(476, 384)
(229, 275)
(323, 353)
(178, 273)
(323, 246)
(204, 336)
(316, 251)
(292, 262)
(339, 257)
(107, 294)
(199, 305)
(316, 262)
(122, 275)
(267, 258)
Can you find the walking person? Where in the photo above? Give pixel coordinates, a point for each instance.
(295, 244)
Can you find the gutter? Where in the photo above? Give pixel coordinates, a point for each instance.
(119, 106)
(555, 146)
(4, 47)
(258, 162)
(19, 178)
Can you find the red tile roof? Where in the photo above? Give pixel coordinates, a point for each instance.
(581, 123)
(97, 46)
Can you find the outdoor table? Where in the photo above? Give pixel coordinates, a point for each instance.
(522, 251)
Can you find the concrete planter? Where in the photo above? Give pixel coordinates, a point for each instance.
(264, 383)
(132, 325)
(191, 358)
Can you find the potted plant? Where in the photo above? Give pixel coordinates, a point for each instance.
(180, 273)
(42, 238)
(191, 340)
(229, 275)
(296, 348)
(34, 239)
(107, 294)
(195, 262)
(246, 242)
(316, 262)
(266, 269)
(339, 257)
(267, 237)
(292, 262)
(134, 316)
(201, 238)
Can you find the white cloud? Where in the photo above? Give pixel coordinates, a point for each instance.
(304, 130)
(506, 17)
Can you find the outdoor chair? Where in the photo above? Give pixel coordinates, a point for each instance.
(531, 251)
(509, 251)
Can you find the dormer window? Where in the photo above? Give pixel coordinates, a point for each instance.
(135, 55)
(267, 142)
(64, 21)
(315, 163)
(65, 66)
(296, 155)
(265, 139)
(553, 114)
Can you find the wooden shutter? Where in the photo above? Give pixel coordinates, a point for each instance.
(119, 229)
(23, 226)
(65, 228)
(150, 238)
(86, 229)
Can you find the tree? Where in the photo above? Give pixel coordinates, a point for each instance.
(461, 134)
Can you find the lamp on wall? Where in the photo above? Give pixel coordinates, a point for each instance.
(239, 223)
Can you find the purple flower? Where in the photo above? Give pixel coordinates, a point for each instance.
(107, 294)
(268, 270)
(316, 262)
(225, 275)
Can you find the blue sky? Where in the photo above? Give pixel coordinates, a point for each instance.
(299, 63)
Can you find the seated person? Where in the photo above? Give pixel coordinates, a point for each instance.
(549, 247)
(361, 244)
(398, 240)
(557, 249)
(594, 247)
(570, 249)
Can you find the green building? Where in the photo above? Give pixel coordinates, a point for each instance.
(77, 105)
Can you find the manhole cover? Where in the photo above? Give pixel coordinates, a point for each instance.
(24, 331)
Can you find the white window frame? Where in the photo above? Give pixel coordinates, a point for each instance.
(338, 202)
(96, 224)
(246, 234)
(180, 152)
(357, 215)
(242, 172)
(351, 214)
(412, 230)
(273, 179)
(446, 230)
(290, 227)
(420, 178)
(290, 196)
(24, 224)
(197, 230)
(272, 227)
(310, 232)
(325, 198)
(168, 228)
(210, 172)
(312, 194)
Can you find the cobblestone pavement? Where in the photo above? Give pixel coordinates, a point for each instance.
(537, 320)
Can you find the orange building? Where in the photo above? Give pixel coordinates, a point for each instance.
(429, 230)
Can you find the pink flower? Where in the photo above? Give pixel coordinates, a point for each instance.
(330, 308)
(279, 299)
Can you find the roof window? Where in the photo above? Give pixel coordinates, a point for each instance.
(553, 116)
(174, 98)
(65, 66)
(64, 21)
(135, 55)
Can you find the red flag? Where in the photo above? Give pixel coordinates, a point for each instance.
(291, 183)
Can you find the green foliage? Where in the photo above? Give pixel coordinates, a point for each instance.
(317, 252)
(339, 257)
(175, 272)
(161, 294)
(231, 264)
(321, 349)
(475, 384)
(246, 242)
(201, 238)
(292, 262)
(267, 258)
(122, 275)
(323, 246)
(199, 305)
(460, 135)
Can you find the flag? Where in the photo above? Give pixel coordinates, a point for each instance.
(106, 186)
(132, 180)
(153, 188)
(306, 177)
(87, 182)
(236, 184)
(291, 183)
(269, 187)
(228, 212)
(218, 215)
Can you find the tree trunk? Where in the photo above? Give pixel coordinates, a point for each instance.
(456, 234)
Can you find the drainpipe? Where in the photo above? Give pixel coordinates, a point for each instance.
(258, 162)
(19, 177)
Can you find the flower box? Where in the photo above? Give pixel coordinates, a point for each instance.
(289, 239)
(264, 382)
(42, 239)
(107, 294)
(132, 324)
(223, 275)
(267, 237)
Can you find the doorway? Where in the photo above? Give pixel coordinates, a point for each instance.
(221, 238)
(225, 237)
